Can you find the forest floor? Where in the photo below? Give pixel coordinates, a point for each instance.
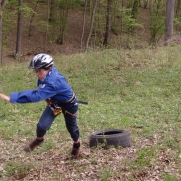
(34, 44)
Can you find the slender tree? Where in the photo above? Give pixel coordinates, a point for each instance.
(177, 8)
(83, 25)
(31, 21)
(135, 9)
(134, 14)
(108, 22)
(177, 17)
(157, 21)
(46, 36)
(170, 6)
(64, 6)
(91, 25)
(52, 9)
(19, 30)
(2, 4)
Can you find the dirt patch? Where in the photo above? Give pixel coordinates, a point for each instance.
(172, 41)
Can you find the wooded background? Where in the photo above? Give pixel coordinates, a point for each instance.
(100, 24)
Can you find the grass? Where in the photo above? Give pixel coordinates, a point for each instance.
(135, 90)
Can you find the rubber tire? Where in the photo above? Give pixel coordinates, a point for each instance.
(112, 137)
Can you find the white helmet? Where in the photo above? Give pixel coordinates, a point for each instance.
(41, 60)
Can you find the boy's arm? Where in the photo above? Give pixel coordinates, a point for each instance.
(5, 97)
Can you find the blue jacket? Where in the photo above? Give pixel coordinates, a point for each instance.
(53, 86)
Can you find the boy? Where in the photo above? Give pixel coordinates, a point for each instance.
(53, 88)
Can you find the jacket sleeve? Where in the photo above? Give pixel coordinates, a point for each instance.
(24, 96)
(29, 96)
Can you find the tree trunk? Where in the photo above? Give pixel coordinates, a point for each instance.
(178, 7)
(108, 23)
(135, 9)
(31, 21)
(83, 26)
(46, 35)
(63, 7)
(19, 30)
(170, 5)
(134, 14)
(63, 26)
(91, 25)
(52, 9)
(2, 4)
(177, 13)
(1, 33)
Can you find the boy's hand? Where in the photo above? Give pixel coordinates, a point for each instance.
(48, 102)
(5, 97)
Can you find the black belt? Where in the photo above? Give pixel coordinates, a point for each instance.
(70, 100)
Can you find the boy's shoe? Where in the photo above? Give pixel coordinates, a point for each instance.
(75, 150)
(33, 145)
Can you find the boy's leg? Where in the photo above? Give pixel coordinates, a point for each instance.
(43, 125)
(71, 124)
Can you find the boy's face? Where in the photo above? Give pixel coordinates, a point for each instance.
(41, 73)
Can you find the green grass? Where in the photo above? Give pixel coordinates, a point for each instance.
(135, 90)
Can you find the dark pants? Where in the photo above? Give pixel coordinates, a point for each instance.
(47, 119)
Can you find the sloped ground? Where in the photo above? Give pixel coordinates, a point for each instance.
(93, 164)
(55, 164)
(36, 43)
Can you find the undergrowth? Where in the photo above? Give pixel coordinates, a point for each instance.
(136, 90)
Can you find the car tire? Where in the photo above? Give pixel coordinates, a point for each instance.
(112, 137)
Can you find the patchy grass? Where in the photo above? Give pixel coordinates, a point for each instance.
(138, 91)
